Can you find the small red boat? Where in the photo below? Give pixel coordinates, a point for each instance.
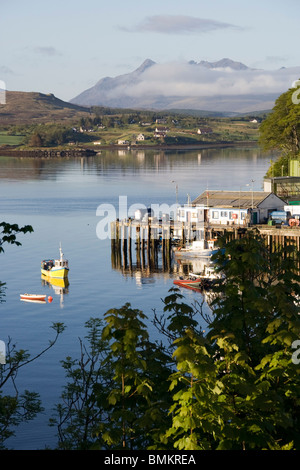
(188, 282)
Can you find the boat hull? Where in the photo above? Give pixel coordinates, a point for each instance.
(194, 287)
(188, 283)
(195, 253)
(60, 273)
(33, 297)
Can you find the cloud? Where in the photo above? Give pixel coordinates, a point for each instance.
(178, 24)
(186, 80)
(271, 61)
(276, 59)
(190, 85)
(47, 51)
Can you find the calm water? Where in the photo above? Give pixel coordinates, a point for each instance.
(59, 198)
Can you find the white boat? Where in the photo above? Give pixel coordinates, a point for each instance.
(33, 298)
(208, 277)
(204, 248)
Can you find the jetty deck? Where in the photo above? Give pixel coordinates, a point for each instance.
(154, 239)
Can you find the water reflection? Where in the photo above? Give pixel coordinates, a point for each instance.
(147, 265)
(64, 185)
(59, 286)
(15, 168)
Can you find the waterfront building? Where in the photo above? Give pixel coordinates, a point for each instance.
(231, 208)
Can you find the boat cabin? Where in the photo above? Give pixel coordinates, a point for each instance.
(61, 263)
(48, 264)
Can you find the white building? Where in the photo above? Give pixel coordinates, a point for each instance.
(193, 214)
(231, 208)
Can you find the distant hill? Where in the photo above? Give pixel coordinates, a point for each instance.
(221, 64)
(225, 86)
(100, 94)
(31, 107)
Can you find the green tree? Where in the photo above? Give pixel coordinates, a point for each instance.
(280, 131)
(9, 233)
(240, 387)
(116, 397)
(137, 407)
(189, 397)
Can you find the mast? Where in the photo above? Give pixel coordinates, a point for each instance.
(61, 253)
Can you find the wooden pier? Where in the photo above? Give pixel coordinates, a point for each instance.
(152, 242)
(146, 247)
(47, 153)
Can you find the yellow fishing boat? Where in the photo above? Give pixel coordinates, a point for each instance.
(55, 268)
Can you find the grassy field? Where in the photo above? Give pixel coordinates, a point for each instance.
(6, 139)
(222, 130)
(24, 112)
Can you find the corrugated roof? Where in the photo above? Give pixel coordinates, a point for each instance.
(231, 198)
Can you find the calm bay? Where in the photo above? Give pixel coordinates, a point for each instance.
(59, 198)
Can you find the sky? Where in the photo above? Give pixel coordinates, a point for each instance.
(65, 47)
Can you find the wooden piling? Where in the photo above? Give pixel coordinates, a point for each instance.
(147, 241)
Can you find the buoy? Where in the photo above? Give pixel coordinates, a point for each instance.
(50, 299)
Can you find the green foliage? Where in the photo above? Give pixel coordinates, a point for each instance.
(136, 400)
(15, 410)
(9, 233)
(281, 129)
(114, 398)
(280, 167)
(239, 388)
(48, 135)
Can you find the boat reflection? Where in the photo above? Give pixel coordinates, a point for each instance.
(34, 301)
(60, 286)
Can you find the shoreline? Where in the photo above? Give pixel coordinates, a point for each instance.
(7, 151)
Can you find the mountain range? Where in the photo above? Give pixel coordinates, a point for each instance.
(222, 86)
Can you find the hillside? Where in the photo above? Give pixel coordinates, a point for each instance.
(33, 107)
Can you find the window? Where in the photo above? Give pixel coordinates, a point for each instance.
(215, 214)
(224, 214)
